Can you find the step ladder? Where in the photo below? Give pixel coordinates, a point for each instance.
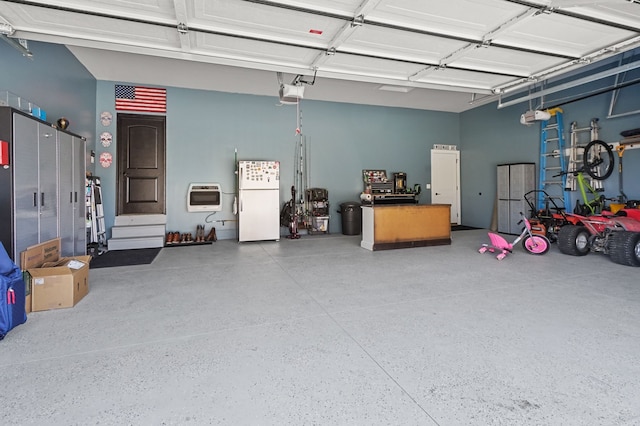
(552, 161)
(576, 151)
(98, 231)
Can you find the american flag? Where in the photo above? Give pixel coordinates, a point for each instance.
(141, 99)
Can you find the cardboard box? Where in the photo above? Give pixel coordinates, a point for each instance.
(55, 283)
(38, 255)
(34, 257)
(59, 284)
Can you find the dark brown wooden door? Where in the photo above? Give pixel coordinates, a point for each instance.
(141, 164)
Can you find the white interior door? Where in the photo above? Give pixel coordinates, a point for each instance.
(445, 179)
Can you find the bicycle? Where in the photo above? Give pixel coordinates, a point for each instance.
(598, 163)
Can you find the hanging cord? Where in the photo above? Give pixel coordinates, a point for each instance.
(302, 165)
(300, 168)
(298, 118)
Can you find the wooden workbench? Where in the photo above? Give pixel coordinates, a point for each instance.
(387, 227)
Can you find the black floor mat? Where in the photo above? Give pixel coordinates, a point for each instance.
(462, 228)
(124, 258)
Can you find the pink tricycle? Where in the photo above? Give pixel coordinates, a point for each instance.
(532, 243)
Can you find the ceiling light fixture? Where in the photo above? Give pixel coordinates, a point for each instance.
(400, 89)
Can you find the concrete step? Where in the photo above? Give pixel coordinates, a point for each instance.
(140, 219)
(137, 231)
(134, 243)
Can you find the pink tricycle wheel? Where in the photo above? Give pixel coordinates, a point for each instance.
(536, 244)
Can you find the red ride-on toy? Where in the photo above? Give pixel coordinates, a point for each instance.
(617, 235)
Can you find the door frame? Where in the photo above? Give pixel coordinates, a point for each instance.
(439, 181)
(121, 161)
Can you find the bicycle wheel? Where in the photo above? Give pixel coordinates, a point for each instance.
(598, 159)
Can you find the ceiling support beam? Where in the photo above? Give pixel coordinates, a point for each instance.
(486, 42)
(367, 21)
(558, 10)
(352, 22)
(487, 38)
(574, 83)
(6, 34)
(193, 29)
(347, 30)
(21, 45)
(365, 7)
(551, 72)
(182, 17)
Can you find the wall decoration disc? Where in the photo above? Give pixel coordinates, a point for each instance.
(105, 118)
(106, 138)
(106, 159)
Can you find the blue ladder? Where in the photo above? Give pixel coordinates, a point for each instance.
(552, 161)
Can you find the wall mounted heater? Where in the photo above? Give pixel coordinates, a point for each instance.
(204, 197)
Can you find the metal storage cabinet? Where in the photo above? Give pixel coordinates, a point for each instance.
(514, 180)
(29, 185)
(36, 195)
(71, 184)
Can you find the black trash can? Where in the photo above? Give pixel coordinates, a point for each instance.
(351, 217)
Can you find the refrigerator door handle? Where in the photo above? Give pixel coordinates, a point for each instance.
(240, 202)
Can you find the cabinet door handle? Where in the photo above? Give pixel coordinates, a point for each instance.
(71, 196)
(35, 199)
(75, 197)
(42, 199)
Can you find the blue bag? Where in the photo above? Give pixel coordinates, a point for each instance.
(12, 295)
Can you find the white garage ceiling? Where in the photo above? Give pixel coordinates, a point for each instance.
(439, 55)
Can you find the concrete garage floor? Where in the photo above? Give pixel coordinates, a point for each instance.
(318, 331)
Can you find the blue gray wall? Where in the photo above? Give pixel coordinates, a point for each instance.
(491, 136)
(54, 80)
(204, 130)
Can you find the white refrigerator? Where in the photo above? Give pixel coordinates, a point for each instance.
(258, 200)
